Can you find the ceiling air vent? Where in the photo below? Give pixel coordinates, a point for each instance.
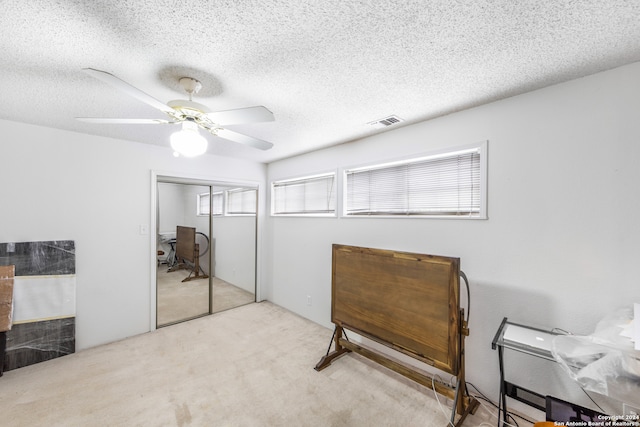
(387, 121)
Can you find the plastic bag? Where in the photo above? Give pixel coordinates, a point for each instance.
(605, 361)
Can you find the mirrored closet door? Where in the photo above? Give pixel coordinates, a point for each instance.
(206, 249)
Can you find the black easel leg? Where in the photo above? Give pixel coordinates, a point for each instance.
(3, 347)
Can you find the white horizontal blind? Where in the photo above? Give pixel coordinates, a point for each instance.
(304, 196)
(218, 199)
(444, 185)
(203, 204)
(241, 201)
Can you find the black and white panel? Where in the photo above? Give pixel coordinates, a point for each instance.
(44, 301)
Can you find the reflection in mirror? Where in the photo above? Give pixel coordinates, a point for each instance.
(206, 250)
(234, 252)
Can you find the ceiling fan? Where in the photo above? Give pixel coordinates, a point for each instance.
(189, 114)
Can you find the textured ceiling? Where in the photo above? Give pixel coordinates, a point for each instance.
(325, 68)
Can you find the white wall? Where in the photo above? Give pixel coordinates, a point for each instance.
(59, 185)
(561, 243)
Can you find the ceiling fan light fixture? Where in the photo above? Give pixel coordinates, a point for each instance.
(192, 115)
(188, 142)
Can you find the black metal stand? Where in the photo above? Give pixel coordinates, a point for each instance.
(508, 389)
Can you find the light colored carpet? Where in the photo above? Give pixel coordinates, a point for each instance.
(179, 300)
(250, 366)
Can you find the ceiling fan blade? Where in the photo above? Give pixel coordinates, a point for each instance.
(242, 139)
(123, 121)
(128, 89)
(242, 115)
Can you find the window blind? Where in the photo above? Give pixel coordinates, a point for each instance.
(203, 203)
(446, 185)
(218, 199)
(304, 196)
(241, 201)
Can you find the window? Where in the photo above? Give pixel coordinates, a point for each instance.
(313, 195)
(218, 203)
(202, 208)
(241, 201)
(203, 204)
(451, 184)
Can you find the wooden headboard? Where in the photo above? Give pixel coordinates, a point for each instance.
(409, 302)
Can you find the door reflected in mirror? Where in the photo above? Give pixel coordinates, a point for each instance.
(206, 250)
